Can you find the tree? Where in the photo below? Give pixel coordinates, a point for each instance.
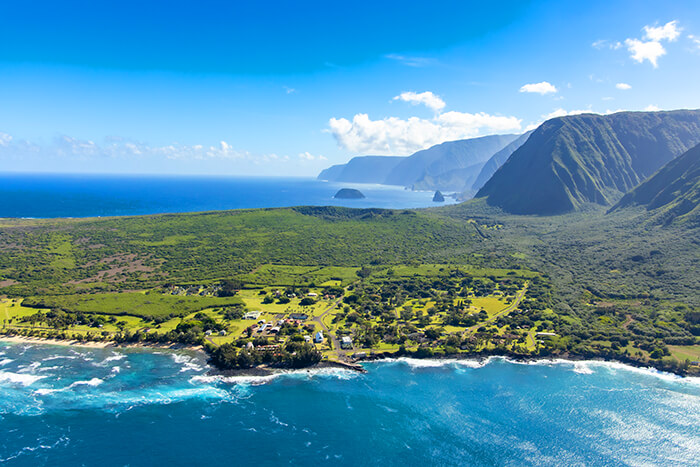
(230, 287)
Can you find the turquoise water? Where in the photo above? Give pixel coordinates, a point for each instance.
(77, 406)
(31, 195)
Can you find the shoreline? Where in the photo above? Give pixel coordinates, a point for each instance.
(481, 359)
(95, 344)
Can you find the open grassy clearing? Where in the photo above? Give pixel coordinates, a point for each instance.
(283, 276)
(150, 305)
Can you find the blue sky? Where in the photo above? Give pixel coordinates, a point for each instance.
(288, 88)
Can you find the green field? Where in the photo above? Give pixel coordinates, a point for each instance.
(608, 285)
(283, 275)
(151, 305)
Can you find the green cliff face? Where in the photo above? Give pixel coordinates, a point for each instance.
(673, 193)
(570, 161)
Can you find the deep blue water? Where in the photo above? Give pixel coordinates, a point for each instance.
(24, 195)
(77, 406)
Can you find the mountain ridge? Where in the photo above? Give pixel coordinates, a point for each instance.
(448, 166)
(589, 158)
(671, 193)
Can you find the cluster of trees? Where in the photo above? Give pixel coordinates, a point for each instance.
(295, 354)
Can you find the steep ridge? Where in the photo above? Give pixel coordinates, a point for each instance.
(497, 160)
(673, 192)
(453, 180)
(362, 169)
(570, 161)
(440, 159)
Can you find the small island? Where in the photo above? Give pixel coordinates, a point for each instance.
(438, 197)
(348, 193)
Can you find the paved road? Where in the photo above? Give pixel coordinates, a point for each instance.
(518, 298)
(319, 319)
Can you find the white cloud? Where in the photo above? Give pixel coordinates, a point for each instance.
(623, 86)
(669, 31)
(393, 135)
(306, 155)
(289, 90)
(563, 113)
(606, 44)
(5, 139)
(70, 148)
(641, 51)
(651, 48)
(554, 114)
(695, 40)
(651, 108)
(426, 98)
(540, 88)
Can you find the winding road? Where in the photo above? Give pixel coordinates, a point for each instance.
(518, 298)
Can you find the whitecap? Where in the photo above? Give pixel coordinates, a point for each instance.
(113, 358)
(60, 357)
(336, 373)
(32, 366)
(387, 409)
(252, 380)
(27, 449)
(588, 366)
(91, 382)
(582, 368)
(5, 361)
(277, 421)
(187, 362)
(19, 378)
(416, 363)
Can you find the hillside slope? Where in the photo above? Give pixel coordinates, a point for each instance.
(497, 160)
(362, 169)
(443, 158)
(570, 161)
(673, 192)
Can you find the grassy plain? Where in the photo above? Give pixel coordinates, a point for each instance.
(608, 285)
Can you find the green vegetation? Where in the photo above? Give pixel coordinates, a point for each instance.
(465, 279)
(673, 192)
(570, 161)
(136, 253)
(150, 305)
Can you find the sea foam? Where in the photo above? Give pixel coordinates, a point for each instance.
(25, 379)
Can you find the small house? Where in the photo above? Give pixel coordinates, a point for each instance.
(345, 342)
(318, 338)
(312, 294)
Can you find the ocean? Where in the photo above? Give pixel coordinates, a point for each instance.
(108, 407)
(45, 196)
(65, 406)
